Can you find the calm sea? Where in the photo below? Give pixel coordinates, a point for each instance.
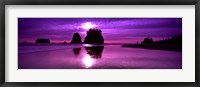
(85, 56)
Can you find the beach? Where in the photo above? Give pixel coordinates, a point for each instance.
(84, 56)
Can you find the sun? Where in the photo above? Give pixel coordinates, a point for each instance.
(88, 25)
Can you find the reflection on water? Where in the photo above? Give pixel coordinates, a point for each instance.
(93, 53)
(96, 57)
(76, 51)
(88, 61)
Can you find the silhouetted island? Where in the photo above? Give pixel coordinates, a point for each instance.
(24, 42)
(94, 36)
(76, 38)
(173, 44)
(42, 41)
(147, 40)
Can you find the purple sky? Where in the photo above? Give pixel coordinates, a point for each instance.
(114, 30)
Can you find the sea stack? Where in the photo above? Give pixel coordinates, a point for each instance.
(42, 41)
(76, 38)
(94, 36)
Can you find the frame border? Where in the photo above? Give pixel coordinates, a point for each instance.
(98, 2)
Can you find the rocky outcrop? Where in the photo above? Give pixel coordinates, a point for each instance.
(94, 36)
(24, 42)
(76, 38)
(147, 40)
(42, 41)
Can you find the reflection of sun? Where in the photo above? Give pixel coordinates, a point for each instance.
(88, 25)
(88, 61)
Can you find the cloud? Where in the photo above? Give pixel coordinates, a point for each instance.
(112, 28)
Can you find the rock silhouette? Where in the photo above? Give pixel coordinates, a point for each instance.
(42, 41)
(173, 44)
(24, 42)
(147, 40)
(94, 36)
(76, 38)
(174, 40)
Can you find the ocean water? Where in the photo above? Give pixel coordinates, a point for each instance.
(85, 56)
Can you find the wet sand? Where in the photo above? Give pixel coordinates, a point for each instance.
(106, 57)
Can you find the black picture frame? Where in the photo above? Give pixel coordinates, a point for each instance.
(98, 2)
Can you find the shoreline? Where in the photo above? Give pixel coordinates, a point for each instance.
(156, 46)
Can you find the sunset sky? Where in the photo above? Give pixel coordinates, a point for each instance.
(114, 30)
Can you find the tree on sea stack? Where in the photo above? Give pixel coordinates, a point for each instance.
(94, 36)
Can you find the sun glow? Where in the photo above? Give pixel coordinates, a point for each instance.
(88, 25)
(88, 61)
